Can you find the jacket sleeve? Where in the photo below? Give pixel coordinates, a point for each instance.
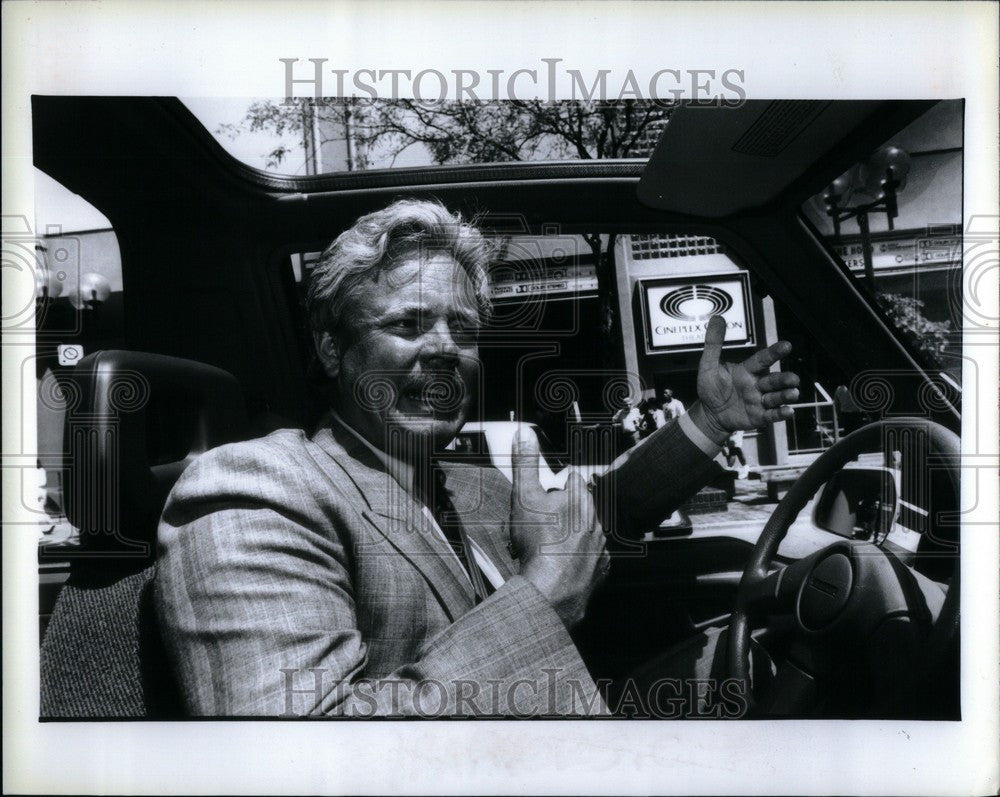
(257, 608)
(650, 481)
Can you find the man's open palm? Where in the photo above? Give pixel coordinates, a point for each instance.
(744, 395)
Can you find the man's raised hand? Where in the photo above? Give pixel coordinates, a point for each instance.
(556, 535)
(744, 395)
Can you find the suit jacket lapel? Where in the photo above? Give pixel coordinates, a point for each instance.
(399, 519)
(484, 511)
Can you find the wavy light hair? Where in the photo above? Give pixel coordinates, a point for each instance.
(383, 240)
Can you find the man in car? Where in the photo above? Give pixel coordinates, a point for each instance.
(348, 573)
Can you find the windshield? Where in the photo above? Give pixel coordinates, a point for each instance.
(308, 136)
(895, 221)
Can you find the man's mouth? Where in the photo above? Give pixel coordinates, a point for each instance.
(438, 394)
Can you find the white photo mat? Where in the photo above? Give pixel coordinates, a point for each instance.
(786, 50)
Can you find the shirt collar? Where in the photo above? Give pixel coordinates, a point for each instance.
(401, 471)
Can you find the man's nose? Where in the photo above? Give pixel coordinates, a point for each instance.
(440, 342)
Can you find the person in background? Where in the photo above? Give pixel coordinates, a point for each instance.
(672, 408)
(658, 417)
(849, 414)
(628, 417)
(733, 450)
(647, 419)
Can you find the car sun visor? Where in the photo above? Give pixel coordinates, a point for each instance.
(716, 161)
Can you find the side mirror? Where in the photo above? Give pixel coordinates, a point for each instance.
(859, 503)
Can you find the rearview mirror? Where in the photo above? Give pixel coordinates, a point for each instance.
(859, 503)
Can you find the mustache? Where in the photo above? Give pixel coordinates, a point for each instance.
(441, 390)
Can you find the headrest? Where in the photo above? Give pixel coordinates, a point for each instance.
(135, 421)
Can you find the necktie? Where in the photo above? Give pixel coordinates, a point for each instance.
(447, 518)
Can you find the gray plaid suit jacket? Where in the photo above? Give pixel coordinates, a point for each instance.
(297, 578)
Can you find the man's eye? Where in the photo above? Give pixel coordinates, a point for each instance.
(405, 325)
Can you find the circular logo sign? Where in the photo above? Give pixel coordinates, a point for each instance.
(695, 302)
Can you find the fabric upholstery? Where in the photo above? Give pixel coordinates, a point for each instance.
(102, 655)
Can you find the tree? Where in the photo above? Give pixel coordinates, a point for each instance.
(462, 132)
(930, 338)
(378, 132)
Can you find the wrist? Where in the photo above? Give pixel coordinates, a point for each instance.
(542, 578)
(547, 582)
(707, 424)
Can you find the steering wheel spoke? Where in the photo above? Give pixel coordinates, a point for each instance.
(775, 591)
(758, 592)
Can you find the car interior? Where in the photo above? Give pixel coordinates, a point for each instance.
(208, 344)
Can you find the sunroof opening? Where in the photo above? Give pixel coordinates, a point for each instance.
(309, 136)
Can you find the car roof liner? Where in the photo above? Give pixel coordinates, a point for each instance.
(122, 152)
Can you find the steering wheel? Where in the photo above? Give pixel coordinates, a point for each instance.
(852, 606)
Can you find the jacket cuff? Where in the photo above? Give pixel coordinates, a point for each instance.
(516, 641)
(708, 447)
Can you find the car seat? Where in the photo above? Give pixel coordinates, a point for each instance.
(134, 422)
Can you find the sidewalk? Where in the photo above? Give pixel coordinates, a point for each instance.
(750, 504)
(747, 514)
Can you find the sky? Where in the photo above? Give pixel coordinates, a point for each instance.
(57, 206)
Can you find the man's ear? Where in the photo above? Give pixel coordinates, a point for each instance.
(329, 353)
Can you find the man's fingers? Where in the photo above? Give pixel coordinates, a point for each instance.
(579, 495)
(715, 334)
(575, 487)
(778, 414)
(764, 359)
(779, 397)
(780, 380)
(524, 461)
(575, 482)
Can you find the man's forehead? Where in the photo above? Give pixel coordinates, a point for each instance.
(430, 272)
(435, 279)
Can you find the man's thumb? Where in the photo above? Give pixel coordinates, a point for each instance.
(715, 335)
(524, 459)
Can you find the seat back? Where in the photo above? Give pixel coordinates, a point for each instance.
(135, 422)
(140, 419)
